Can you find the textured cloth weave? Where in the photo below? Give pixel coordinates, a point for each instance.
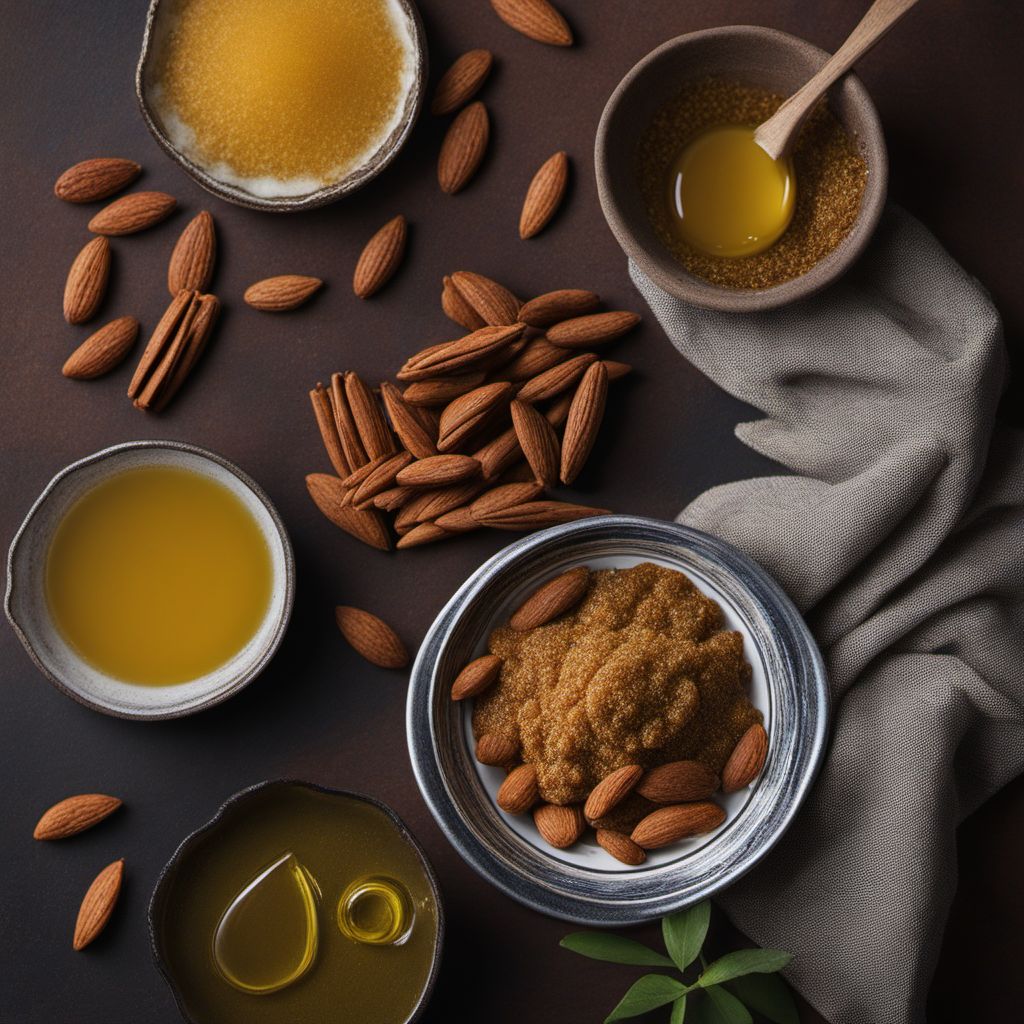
(900, 535)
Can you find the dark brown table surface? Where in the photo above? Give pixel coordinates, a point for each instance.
(949, 86)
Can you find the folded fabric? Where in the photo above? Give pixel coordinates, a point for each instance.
(900, 535)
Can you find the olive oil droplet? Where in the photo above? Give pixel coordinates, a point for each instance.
(376, 910)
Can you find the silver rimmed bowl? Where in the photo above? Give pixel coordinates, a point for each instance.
(583, 884)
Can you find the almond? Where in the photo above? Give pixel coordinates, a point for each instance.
(545, 195)
(434, 503)
(393, 498)
(746, 760)
(670, 824)
(193, 257)
(595, 329)
(476, 677)
(461, 81)
(552, 599)
(468, 412)
(459, 520)
(282, 293)
(556, 380)
(506, 496)
(423, 533)
(553, 307)
(95, 179)
(611, 791)
(584, 421)
(518, 793)
(535, 19)
(382, 477)
(538, 355)
(408, 426)
(133, 212)
(492, 302)
(103, 350)
(558, 412)
(87, 281)
(462, 354)
(539, 442)
(98, 904)
(616, 369)
(457, 308)
(498, 454)
(320, 398)
(535, 515)
(441, 390)
(621, 847)
(439, 471)
(183, 305)
(348, 433)
(366, 525)
(463, 148)
(380, 258)
(496, 750)
(371, 637)
(678, 782)
(369, 420)
(75, 814)
(558, 826)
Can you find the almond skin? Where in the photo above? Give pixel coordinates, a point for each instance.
(553, 307)
(559, 378)
(423, 533)
(323, 410)
(75, 814)
(746, 760)
(538, 356)
(368, 418)
(518, 793)
(87, 281)
(459, 520)
(476, 677)
(585, 415)
(439, 471)
(282, 293)
(381, 258)
(461, 82)
(194, 254)
(539, 442)
(441, 390)
(457, 309)
(496, 750)
(621, 847)
(463, 148)
(492, 302)
(611, 791)
(536, 515)
(668, 825)
(460, 355)
(545, 195)
(383, 476)
(468, 412)
(505, 496)
(678, 782)
(91, 180)
(535, 19)
(133, 212)
(98, 904)
(366, 525)
(558, 826)
(407, 425)
(595, 329)
(371, 637)
(103, 350)
(552, 599)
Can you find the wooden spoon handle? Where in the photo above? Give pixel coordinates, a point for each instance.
(775, 135)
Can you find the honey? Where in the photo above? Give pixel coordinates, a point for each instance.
(282, 97)
(158, 575)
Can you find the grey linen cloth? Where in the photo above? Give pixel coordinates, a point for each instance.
(901, 538)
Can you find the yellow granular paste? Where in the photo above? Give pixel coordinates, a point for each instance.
(641, 672)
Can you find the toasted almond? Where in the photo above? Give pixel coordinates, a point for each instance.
(423, 533)
(457, 308)
(584, 421)
(476, 677)
(439, 471)
(91, 180)
(498, 454)
(348, 432)
(518, 793)
(468, 412)
(492, 302)
(552, 599)
(357, 476)
(133, 212)
(680, 821)
(103, 350)
(192, 259)
(393, 498)
(559, 378)
(282, 293)
(98, 904)
(616, 369)
(366, 525)
(495, 749)
(371, 637)
(460, 355)
(459, 520)
(434, 503)
(75, 814)
(535, 515)
(87, 281)
(320, 398)
(369, 420)
(539, 442)
(380, 258)
(183, 304)
(503, 497)
(461, 81)
(746, 760)
(611, 791)
(553, 307)
(537, 356)
(545, 195)
(441, 390)
(463, 148)
(678, 782)
(535, 19)
(559, 826)
(408, 426)
(381, 478)
(621, 847)
(595, 329)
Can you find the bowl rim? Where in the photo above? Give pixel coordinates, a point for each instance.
(351, 182)
(669, 275)
(241, 796)
(574, 907)
(113, 451)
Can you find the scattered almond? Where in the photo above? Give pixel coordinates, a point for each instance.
(87, 282)
(369, 420)
(539, 442)
(536, 515)
(133, 212)
(330, 495)
(584, 421)
(559, 378)
(380, 258)
(595, 329)
(490, 301)
(459, 520)
(461, 81)
(468, 412)
(678, 782)
(75, 814)
(670, 824)
(518, 793)
(91, 180)
(371, 637)
(535, 19)
(324, 413)
(503, 497)
(457, 308)
(439, 471)
(348, 434)
(192, 260)
(282, 293)
(621, 847)
(552, 599)
(463, 148)
(476, 677)
(407, 425)
(103, 350)
(746, 760)
(545, 195)
(558, 826)
(442, 390)
(611, 791)
(538, 355)
(98, 904)
(381, 477)
(460, 355)
(553, 307)
(423, 533)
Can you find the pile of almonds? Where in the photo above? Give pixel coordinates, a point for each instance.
(472, 439)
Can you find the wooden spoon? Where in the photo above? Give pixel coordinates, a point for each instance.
(778, 132)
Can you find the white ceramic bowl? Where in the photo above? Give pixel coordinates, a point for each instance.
(29, 613)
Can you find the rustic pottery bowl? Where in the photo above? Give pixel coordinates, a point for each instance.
(157, 19)
(584, 884)
(188, 859)
(753, 56)
(28, 611)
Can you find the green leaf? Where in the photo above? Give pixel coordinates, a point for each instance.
(684, 933)
(744, 961)
(678, 1011)
(614, 949)
(729, 1009)
(650, 992)
(769, 995)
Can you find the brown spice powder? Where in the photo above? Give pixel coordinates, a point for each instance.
(830, 174)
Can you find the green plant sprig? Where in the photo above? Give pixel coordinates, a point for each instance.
(722, 992)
